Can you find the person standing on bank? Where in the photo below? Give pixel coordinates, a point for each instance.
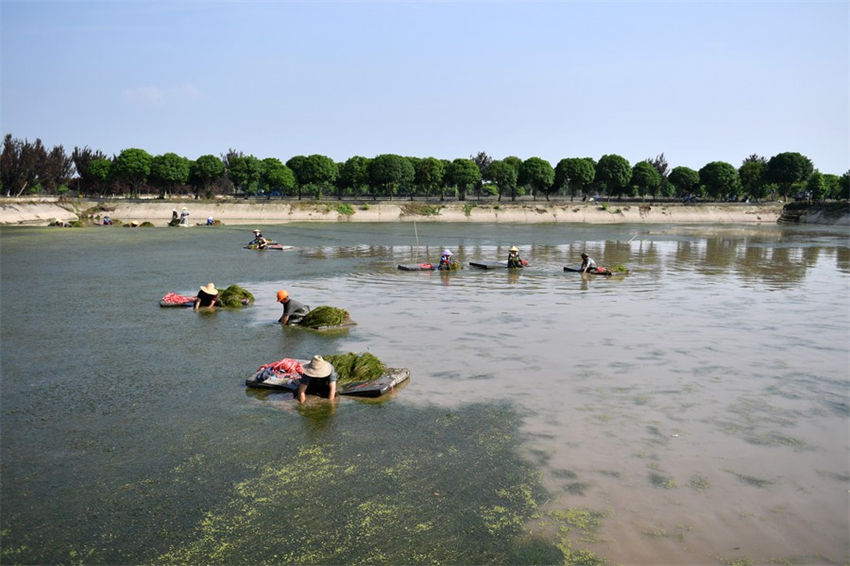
(293, 311)
(207, 297)
(318, 372)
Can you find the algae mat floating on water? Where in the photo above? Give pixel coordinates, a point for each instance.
(351, 496)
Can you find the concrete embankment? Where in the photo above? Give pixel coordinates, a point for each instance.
(239, 211)
(836, 213)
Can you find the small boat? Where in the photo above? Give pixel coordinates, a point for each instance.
(277, 247)
(493, 264)
(391, 378)
(596, 271)
(417, 266)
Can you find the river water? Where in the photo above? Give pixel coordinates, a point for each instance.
(694, 411)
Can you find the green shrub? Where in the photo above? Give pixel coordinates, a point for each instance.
(345, 209)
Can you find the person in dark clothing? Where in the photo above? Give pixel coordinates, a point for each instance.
(293, 311)
(447, 261)
(588, 264)
(317, 372)
(514, 261)
(207, 297)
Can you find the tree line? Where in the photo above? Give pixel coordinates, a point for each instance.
(29, 168)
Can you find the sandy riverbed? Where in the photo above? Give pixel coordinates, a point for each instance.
(42, 212)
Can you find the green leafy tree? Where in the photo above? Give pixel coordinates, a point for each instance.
(832, 185)
(133, 167)
(447, 184)
(245, 172)
(684, 179)
(56, 169)
(786, 169)
(20, 165)
(298, 164)
(514, 162)
(574, 174)
(463, 174)
(483, 161)
(429, 174)
(660, 164)
(816, 186)
(645, 179)
(613, 174)
(320, 171)
(276, 177)
(844, 186)
(409, 188)
(168, 171)
(389, 172)
(752, 174)
(538, 174)
(100, 171)
(719, 179)
(354, 174)
(82, 158)
(505, 176)
(203, 172)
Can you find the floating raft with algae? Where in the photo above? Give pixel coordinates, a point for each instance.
(360, 375)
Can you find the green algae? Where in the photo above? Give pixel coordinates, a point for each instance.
(235, 296)
(751, 480)
(444, 488)
(699, 483)
(352, 367)
(325, 316)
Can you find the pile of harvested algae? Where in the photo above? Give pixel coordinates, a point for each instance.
(353, 367)
(325, 316)
(235, 297)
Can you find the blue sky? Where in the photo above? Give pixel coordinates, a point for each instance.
(698, 81)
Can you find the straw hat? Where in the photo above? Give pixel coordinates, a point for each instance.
(256, 231)
(317, 367)
(447, 252)
(282, 294)
(513, 249)
(209, 288)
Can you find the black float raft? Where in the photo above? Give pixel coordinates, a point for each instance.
(391, 378)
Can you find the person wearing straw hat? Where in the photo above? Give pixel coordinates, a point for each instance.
(293, 311)
(259, 240)
(184, 216)
(207, 296)
(447, 261)
(317, 373)
(514, 261)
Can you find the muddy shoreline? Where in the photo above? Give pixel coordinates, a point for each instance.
(43, 212)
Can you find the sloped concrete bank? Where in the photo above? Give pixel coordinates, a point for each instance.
(232, 211)
(835, 213)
